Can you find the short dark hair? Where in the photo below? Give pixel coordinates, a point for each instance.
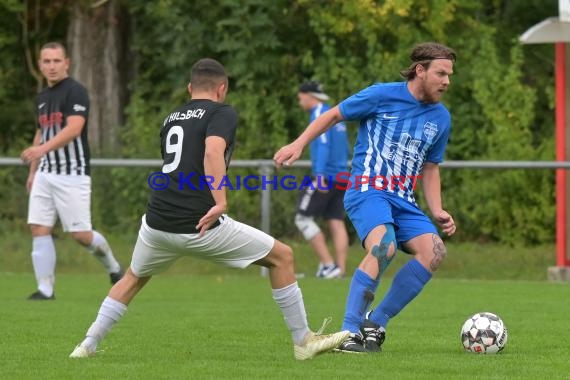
(423, 54)
(55, 45)
(207, 73)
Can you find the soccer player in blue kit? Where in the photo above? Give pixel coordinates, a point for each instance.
(403, 133)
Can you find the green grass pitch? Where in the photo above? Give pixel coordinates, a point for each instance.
(227, 326)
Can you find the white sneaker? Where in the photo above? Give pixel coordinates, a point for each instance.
(328, 271)
(316, 343)
(81, 352)
(320, 270)
(332, 271)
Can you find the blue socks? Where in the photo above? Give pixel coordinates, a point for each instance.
(360, 296)
(407, 284)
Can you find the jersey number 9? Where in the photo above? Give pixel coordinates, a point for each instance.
(174, 148)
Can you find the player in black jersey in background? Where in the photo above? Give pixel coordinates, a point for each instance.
(189, 219)
(59, 182)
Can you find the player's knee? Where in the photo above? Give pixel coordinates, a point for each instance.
(307, 226)
(134, 279)
(38, 230)
(281, 255)
(385, 250)
(83, 237)
(286, 256)
(387, 245)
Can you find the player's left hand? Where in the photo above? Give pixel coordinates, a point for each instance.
(32, 153)
(210, 218)
(445, 222)
(287, 155)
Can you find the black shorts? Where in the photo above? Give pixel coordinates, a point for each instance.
(315, 203)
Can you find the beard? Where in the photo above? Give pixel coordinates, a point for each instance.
(431, 95)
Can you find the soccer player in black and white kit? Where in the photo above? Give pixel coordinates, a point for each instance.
(189, 218)
(59, 182)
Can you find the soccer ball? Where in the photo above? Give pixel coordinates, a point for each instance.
(484, 333)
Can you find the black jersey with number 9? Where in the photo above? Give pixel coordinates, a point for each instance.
(187, 198)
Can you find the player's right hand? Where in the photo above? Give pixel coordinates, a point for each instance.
(445, 222)
(210, 218)
(288, 155)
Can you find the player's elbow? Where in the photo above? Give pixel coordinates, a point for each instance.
(76, 132)
(213, 153)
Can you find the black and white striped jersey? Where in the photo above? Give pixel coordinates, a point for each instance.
(54, 105)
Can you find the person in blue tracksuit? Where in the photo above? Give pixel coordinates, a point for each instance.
(329, 158)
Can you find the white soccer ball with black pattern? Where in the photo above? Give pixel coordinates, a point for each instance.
(484, 333)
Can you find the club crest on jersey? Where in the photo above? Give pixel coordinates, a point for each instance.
(430, 130)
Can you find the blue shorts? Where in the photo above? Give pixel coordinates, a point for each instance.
(372, 208)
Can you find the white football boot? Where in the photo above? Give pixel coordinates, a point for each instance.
(81, 352)
(316, 343)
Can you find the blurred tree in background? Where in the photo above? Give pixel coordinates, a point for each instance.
(135, 57)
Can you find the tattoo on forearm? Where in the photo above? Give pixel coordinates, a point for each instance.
(439, 252)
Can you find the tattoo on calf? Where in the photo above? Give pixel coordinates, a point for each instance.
(439, 252)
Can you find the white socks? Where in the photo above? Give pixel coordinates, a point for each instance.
(101, 250)
(43, 260)
(290, 300)
(109, 314)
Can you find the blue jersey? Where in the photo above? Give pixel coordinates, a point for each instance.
(397, 135)
(329, 151)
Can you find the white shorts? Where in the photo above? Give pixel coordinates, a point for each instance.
(232, 244)
(64, 195)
